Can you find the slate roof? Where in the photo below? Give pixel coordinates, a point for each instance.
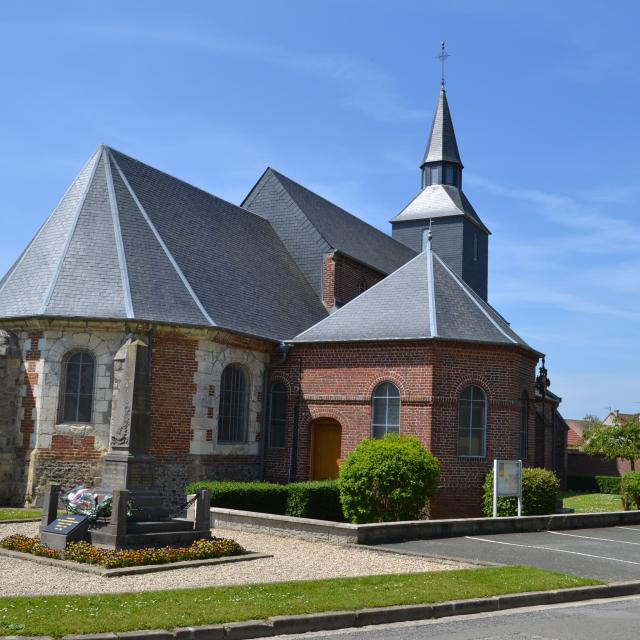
(424, 299)
(129, 241)
(442, 145)
(440, 201)
(341, 230)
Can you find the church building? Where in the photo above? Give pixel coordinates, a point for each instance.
(277, 335)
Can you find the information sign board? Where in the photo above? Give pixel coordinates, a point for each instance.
(507, 482)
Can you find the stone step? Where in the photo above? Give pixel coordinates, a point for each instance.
(101, 537)
(159, 526)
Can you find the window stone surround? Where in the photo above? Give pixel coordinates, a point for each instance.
(212, 358)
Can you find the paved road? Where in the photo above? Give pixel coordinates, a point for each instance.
(611, 553)
(605, 620)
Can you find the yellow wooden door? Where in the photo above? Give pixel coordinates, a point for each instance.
(325, 449)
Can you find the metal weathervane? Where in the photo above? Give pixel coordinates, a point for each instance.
(442, 56)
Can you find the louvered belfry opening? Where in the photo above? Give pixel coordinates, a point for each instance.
(232, 418)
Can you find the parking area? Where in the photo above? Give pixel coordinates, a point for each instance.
(611, 554)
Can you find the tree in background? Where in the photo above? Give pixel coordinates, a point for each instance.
(620, 440)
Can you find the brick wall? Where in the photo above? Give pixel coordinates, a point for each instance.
(337, 381)
(31, 360)
(173, 367)
(582, 464)
(344, 279)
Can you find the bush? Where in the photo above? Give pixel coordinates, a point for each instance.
(320, 500)
(262, 497)
(540, 492)
(388, 479)
(608, 484)
(630, 489)
(594, 484)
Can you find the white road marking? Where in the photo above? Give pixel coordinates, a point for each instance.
(574, 553)
(629, 529)
(575, 535)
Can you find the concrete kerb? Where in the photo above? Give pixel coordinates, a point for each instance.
(364, 617)
(388, 532)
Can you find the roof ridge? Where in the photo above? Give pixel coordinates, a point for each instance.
(115, 215)
(12, 269)
(277, 175)
(189, 184)
(158, 237)
(333, 204)
(63, 254)
(431, 293)
(465, 288)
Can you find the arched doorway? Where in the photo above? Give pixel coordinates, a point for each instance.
(326, 437)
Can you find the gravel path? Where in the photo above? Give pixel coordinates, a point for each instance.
(293, 560)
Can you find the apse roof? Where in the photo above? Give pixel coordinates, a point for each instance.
(129, 241)
(424, 299)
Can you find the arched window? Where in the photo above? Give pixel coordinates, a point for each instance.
(277, 414)
(232, 417)
(524, 425)
(472, 422)
(385, 410)
(77, 383)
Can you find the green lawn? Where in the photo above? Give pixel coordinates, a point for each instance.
(19, 514)
(591, 502)
(60, 615)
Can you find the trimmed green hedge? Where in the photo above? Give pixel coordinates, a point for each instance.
(594, 484)
(388, 479)
(245, 496)
(540, 491)
(319, 500)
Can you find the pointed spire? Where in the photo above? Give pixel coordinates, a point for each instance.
(442, 146)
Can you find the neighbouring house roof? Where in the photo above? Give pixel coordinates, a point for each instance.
(424, 299)
(129, 241)
(340, 230)
(616, 417)
(576, 429)
(442, 145)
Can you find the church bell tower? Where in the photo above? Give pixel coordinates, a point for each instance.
(459, 236)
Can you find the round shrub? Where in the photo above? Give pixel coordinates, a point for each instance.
(630, 489)
(540, 492)
(386, 480)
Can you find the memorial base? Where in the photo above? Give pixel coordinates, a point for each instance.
(138, 535)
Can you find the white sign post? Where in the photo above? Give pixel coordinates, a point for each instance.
(507, 482)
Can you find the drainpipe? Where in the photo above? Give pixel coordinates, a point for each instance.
(293, 466)
(284, 350)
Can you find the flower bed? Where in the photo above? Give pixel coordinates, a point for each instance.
(86, 553)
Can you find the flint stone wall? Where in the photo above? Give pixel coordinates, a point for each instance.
(9, 398)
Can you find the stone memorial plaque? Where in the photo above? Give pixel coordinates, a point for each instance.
(69, 528)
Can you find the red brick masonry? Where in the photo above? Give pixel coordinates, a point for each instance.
(337, 381)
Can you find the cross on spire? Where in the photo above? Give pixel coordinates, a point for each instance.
(443, 55)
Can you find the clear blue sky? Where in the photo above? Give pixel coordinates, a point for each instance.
(339, 95)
